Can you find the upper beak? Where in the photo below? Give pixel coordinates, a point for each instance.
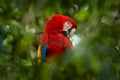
(72, 32)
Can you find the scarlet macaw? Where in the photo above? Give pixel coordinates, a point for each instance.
(55, 39)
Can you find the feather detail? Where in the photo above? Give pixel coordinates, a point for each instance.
(39, 54)
(43, 52)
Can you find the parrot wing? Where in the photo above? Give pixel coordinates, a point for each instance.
(41, 53)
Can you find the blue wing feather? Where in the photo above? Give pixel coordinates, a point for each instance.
(43, 52)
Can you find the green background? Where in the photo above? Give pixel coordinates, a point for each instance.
(96, 57)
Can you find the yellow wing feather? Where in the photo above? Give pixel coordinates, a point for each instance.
(39, 54)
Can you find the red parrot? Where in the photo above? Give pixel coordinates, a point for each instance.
(55, 39)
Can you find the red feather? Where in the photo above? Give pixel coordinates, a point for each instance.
(53, 37)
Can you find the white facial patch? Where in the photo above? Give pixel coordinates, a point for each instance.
(67, 25)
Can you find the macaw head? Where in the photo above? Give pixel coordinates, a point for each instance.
(60, 23)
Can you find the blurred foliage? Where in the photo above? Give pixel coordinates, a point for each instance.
(96, 57)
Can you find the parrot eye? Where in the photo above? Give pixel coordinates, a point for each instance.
(69, 22)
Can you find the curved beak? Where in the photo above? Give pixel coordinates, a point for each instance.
(72, 32)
